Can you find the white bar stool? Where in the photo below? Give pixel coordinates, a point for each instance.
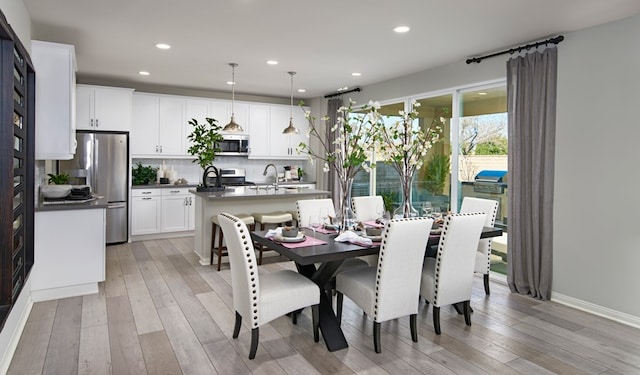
(222, 251)
(278, 218)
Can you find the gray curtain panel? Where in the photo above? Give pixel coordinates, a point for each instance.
(531, 92)
(332, 111)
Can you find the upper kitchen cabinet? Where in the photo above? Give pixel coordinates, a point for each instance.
(221, 111)
(266, 138)
(103, 108)
(158, 128)
(55, 100)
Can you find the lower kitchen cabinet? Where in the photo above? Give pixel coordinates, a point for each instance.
(146, 211)
(162, 210)
(69, 253)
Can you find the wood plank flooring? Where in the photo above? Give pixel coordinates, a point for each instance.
(160, 312)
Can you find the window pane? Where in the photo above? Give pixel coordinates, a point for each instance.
(17, 180)
(17, 200)
(17, 223)
(17, 120)
(17, 143)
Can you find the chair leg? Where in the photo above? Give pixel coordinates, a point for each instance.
(254, 342)
(294, 316)
(436, 319)
(414, 327)
(315, 313)
(213, 241)
(376, 337)
(339, 298)
(220, 250)
(486, 284)
(467, 312)
(236, 328)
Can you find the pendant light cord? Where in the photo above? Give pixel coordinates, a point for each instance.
(233, 86)
(291, 107)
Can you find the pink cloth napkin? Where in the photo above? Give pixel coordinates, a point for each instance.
(372, 223)
(309, 241)
(323, 230)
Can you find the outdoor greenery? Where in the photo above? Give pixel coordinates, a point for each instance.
(496, 146)
(204, 138)
(143, 175)
(435, 173)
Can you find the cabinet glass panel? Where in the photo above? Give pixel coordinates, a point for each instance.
(18, 77)
(17, 200)
(18, 242)
(18, 59)
(17, 143)
(17, 180)
(17, 223)
(17, 98)
(17, 120)
(17, 163)
(17, 263)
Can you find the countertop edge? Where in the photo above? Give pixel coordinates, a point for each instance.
(101, 202)
(259, 194)
(163, 186)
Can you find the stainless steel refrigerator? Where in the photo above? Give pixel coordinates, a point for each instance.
(102, 162)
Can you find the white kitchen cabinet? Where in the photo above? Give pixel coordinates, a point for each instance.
(69, 251)
(175, 210)
(198, 109)
(221, 111)
(144, 130)
(103, 108)
(146, 211)
(172, 139)
(267, 123)
(55, 65)
(158, 126)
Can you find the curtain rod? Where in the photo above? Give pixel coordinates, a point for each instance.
(357, 89)
(554, 40)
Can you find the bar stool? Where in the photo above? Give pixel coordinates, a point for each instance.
(247, 219)
(279, 218)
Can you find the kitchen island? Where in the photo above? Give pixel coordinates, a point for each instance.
(243, 199)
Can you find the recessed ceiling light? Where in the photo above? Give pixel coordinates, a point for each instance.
(163, 46)
(356, 74)
(401, 29)
(144, 73)
(272, 62)
(482, 93)
(343, 88)
(230, 83)
(302, 90)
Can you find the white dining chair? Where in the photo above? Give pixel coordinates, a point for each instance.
(262, 298)
(367, 208)
(390, 289)
(312, 207)
(483, 255)
(448, 278)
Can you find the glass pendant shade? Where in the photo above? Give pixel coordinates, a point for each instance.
(291, 129)
(233, 126)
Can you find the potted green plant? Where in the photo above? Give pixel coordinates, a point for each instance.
(144, 175)
(58, 179)
(57, 188)
(204, 144)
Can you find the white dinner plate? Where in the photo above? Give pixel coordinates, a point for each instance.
(299, 238)
(373, 238)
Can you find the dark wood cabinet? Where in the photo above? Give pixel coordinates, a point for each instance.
(17, 116)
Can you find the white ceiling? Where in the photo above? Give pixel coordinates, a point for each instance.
(323, 41)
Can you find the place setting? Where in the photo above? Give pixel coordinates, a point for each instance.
(292, 237)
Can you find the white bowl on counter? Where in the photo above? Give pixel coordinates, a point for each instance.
(55, 191)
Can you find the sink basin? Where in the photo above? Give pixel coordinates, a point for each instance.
(208, 189)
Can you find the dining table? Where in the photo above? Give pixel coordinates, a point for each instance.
(320, 256)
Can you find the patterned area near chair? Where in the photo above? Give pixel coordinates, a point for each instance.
(262, 298)
(483, 255)
(448, 278)
(368, 209)
(390, 290)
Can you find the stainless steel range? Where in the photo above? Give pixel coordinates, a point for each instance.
(231, 177)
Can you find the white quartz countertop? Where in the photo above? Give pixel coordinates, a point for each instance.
(251, 192)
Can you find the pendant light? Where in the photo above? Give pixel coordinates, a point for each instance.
(232, 126)
(291, 129)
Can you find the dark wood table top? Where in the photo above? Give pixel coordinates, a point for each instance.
(332, 250)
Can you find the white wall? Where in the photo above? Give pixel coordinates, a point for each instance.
(596, 239)
(596, 235)
(19, 19)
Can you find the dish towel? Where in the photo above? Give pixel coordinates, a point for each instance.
(349, 236)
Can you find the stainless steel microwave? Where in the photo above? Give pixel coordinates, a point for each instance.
(234, 145)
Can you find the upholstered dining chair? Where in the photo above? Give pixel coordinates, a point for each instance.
(260, 299)
(483, 255)
(312, 207)
(367, 208)
(391, 289)
(448, 278)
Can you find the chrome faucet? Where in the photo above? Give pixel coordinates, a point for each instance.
(275, 185)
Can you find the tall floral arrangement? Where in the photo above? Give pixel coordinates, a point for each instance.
(353, 139)
(404, 145)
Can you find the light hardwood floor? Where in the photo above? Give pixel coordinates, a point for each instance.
(161, 312)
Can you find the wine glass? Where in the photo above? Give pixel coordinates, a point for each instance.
(437, 214)
(426, 208)
(314, 222)
(324, 215)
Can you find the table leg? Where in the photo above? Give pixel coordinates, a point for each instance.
(331, 332)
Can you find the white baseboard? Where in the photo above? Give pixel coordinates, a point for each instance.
(160, 236)
(594, 309)
(64, 292)
(13, 327)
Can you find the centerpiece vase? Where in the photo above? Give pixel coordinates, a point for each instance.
(406, 208)
(344, 216)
